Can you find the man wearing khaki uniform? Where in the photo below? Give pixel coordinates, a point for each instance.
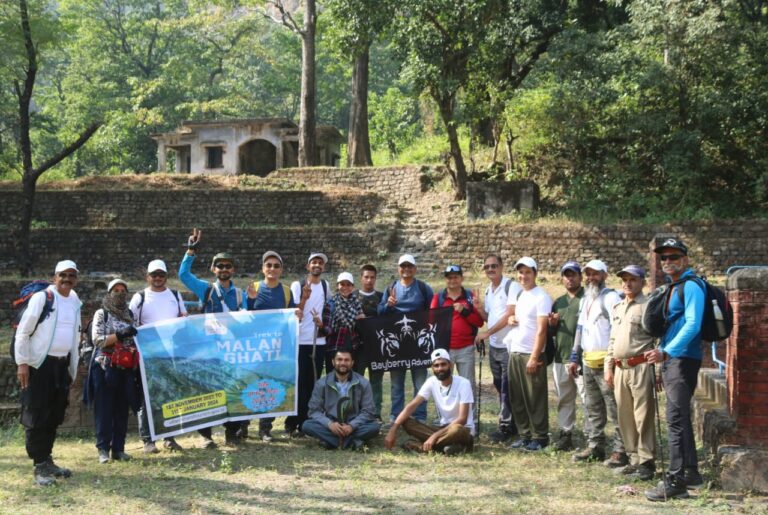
(633, 381)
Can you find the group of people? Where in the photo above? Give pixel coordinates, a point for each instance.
(602, 355)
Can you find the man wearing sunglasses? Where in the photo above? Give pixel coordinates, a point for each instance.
(155, 303)
(680, 357)
(46, 357)
(221, 296)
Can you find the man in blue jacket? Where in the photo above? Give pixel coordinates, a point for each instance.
(220, 296)
(680, 355)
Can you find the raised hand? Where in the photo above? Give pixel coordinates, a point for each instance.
(194, 239)
(306, 291)
(477, 299)
(251, 291)
(392, 300)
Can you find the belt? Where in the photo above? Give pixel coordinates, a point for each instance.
(631, 362)
(57, 358)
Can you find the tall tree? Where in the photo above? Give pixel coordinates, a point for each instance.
(23, 86)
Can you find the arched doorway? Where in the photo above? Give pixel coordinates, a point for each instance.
(257, 157)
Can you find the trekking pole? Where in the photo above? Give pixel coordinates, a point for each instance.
(314, 348)
(479, 385)
(658, 428)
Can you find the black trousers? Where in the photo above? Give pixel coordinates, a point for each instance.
(306, 383)
(43, 404)
(680, 376)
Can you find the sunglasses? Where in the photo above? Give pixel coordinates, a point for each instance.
(223, 266)
(155, 275)
(491, 266)
(671, 257)
(67, 275)
(453, 269)
(276, 266)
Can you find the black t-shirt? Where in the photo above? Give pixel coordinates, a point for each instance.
(370, 303)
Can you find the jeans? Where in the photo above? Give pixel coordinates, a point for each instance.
(110, 406)
(464, 359)
(397, 376)
(498, 357)
(679, 376)
(364, 432)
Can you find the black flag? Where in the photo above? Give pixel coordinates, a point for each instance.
(404, 340)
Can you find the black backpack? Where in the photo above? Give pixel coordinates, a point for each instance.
(86, 341)
(20, 306)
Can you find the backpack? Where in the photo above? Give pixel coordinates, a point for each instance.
(287, 295)
(142, 296)
(467, 293)
(422, 288)
(20, 306)
(86, 341)
(507, 286)
(550, 345)
(303, 283)
(214, 287)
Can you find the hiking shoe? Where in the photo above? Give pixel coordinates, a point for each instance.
(242, 432)
(172, 445)
(357, 445)
(645, 471)
(59, 471)
(536, 445)
(500, 436)
(103, 456)
(668, 488)
(589, 454)
(454, 449)
(265, 435)
(626, 470)
(121, 456)
(564, 442)
(297, 433)
(617, 459)
(150, 448)
(208, 443)
(692, 478)
(44, 475)
(520, 443)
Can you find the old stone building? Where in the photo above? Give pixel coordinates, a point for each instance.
(253, 146)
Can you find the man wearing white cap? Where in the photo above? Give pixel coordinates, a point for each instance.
(155, 303)
(453, 399)
(46, 357)
(592, 338)
(405, 296)
(527, 367)
(310, 295)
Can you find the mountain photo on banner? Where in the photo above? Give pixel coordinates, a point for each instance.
(404, 340)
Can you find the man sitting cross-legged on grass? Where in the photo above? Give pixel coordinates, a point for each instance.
(341, 411)
(453, 399)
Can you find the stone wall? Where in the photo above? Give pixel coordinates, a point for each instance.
(186, 208)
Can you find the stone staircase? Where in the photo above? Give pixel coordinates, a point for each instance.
(711, 421)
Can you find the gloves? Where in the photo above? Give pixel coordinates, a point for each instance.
(192, 243)
(126, 332)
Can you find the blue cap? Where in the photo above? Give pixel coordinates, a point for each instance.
(571, 265)
(635, 270)
(453, 269)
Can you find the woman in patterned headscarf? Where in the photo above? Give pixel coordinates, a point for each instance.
(339, 317)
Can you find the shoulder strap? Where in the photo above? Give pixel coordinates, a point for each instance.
(238, 297)
(178, 300)
(47, 308)
(441, 298)
(507, 286)
(325, 289)
(519, 293)
(423, 289)
(468, 295)
(286, 294)
(142, 296)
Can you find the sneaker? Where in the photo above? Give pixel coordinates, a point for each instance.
(208, 443)
(103, 456)
(617, 459)
(645, 471)
(59, 471)
(500, 436)
(150, 448)
(564, 442)
(454, 449)
(242, 432)
(589, 454)
(520, 443)
(627, 470)
(43, 474)
(297, 433)
(669, 488)
(357, 445)
(265, 435)
(536, 445)
(121, 456)
(692, 478)
(172, 445)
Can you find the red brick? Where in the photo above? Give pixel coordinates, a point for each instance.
(752, 421)
(757, 387)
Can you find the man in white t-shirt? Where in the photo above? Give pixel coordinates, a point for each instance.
(310, 296)
(453, 400)
(496, 312)
(527, 366)
(155, 303)
(592, 339)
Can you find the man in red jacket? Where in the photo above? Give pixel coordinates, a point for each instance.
(466, 322)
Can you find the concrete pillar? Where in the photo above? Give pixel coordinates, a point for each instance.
(161, 156)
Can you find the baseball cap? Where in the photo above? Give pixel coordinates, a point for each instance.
(526, 261)
(672, 243)
(316, 255)
(406, 258)
(223, 256)
(440, 354)
(67, 264)
(635, 270)
(157, 264)
(570, 265)
(597, 265)
(345, 276)
(453, 269)
(271, 253)
(115, 282)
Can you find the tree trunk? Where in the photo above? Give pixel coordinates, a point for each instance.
(308, 110)
(358, 143)
(460, 174)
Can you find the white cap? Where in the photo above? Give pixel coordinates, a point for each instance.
(345, 276)
(597, 266)
(526, 261)
(440, 354)
(406, 258)
(67, 264)
(157, 264)
(115, 282)
(316, 255)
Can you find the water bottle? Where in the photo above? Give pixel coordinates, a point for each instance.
(719, 320)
